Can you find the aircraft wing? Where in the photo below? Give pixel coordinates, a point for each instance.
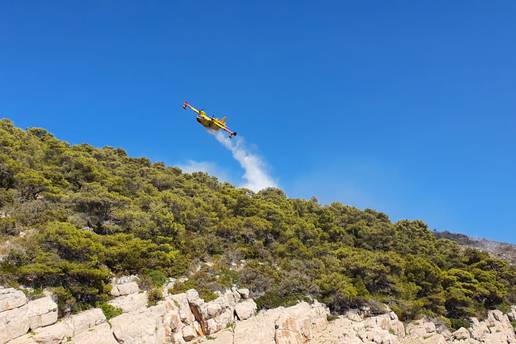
(225, 128)
(221, 125)
(187, 105)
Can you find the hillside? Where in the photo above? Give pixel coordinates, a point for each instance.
(500, 249)
(72, 216)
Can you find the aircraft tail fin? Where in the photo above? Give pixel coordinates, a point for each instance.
(185, 105)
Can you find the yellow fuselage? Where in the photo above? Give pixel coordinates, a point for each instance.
(208, 122)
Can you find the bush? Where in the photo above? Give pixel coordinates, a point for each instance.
(154, 295)
(152, 279)
(458, 323)
(8, 226)
(109, 310)
(204, 292)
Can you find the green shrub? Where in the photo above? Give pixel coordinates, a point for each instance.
(154, 295)
(152, 279)
(204, 292)
(8, 226)
(109, 310)
(458, 323)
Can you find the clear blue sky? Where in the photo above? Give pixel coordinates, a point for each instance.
(407, 107)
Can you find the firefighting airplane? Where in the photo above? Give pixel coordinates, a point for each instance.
(208, 122)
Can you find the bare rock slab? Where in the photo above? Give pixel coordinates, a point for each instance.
(130, 303)
(13, 323)
(42, 312)
(11, 298)
(100, 334)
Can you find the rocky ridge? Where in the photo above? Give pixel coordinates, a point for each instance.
(230, 318)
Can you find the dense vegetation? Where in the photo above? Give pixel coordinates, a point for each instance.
(72, 216)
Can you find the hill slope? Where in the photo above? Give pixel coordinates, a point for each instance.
(499, 249)
(74, 215)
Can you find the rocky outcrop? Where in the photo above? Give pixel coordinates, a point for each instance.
(230, 318)
(297, 324)
(306, 323)
(19, 315)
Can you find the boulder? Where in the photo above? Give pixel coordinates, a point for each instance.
(125, 285)
(144, 327)
(378, 335)
(125, 279)
(14, 322)
(130, 303)
(189, 333)
(171, 320)
(420, 328)
(100, 334)
(185, 312)
(230, 298)
(214, 308)
(354, 315)
(512, 313)
(11, 298)
(42, 312)
(478, 329)
(125, 289)
(246, 309)
(53, 334)
(461, 334)
(223, 320)
(244, 293)
(388, 322)
(86, 320)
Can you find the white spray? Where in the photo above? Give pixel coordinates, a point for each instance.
(255, 174)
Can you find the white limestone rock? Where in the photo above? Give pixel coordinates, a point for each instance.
(130, 303)
(144, 327)
(13, 323)
(125, 289)
(478, 329)
(125, 285)
(420, 328)
(246, 309)
(57, 333)
(185, 312)
(86, 320)
(168, 285)
(388, 322)
(189, 333)
(512, 313)
(461, 334)
(244, 293)
(354, 315)
(11, 298)
(100, 334)
(42, 312)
